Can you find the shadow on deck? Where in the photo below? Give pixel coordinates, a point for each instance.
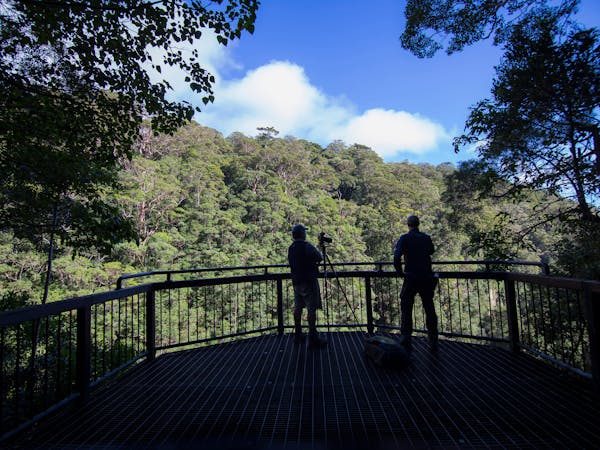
(267, 392)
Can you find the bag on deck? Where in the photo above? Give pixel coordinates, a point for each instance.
(386, 352)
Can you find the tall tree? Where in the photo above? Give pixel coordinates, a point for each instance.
(541, 128)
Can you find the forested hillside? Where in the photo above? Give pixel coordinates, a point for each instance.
(199, 199)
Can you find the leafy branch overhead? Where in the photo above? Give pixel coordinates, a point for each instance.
(433, 25)
(111, 44)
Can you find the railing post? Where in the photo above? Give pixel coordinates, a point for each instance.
(84, 346)
(369, 305)
(592, 308)
(511, 310)
(151, 324)
(546, 269)
(280, 306)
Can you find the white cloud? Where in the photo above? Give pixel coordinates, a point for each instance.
(280, 95)
(389, 132)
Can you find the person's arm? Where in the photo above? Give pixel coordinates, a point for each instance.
(314, 254)
(398, 256)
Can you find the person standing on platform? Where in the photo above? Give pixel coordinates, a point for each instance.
(416, 249)
(304, 259)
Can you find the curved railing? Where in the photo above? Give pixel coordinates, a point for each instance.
(55, 353)
(478, 265)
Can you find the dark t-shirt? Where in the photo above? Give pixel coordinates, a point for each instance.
(417, 249)
(304, 260)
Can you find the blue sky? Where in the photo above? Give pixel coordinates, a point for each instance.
(327, 70)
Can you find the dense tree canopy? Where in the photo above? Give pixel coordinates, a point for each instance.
(198, 199)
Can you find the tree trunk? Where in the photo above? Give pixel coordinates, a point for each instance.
(36, 324)
(50, 254)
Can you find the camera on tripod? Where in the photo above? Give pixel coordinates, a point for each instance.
(324, 239)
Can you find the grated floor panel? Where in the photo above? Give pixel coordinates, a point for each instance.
(267, 392)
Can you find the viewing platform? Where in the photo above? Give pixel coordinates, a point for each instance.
(209, 361)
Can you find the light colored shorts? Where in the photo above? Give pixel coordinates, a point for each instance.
(307, 295)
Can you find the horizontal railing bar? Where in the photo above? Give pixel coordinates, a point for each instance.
(342, 325)
(40, 416)
(202, 270)
(36, 312)
(393, 274)
(199, 282)
(377, 264)
(114, 371)
(556, 282)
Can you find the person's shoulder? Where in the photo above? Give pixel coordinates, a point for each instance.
(420, 233)
(311, 246)
(425, 237)
(402, 239)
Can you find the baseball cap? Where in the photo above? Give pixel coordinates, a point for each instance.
(299, 229)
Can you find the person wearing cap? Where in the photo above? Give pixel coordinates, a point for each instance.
(416, 248)
(304, 259)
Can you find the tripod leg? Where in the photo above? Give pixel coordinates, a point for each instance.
(327, 260)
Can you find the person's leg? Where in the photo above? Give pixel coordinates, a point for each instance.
(312, 321)
(431, 321)
(313, 302)
(313, 337)
(299, 303)
(407, 300)
(298, 323)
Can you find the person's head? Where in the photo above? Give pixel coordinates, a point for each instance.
(299, 231)
(412, 222)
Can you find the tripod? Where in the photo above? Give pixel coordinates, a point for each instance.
(326, 260)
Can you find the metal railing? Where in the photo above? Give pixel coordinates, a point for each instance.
(53, 354)
(485, 265)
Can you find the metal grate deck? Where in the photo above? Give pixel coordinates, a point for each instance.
(267, 392)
